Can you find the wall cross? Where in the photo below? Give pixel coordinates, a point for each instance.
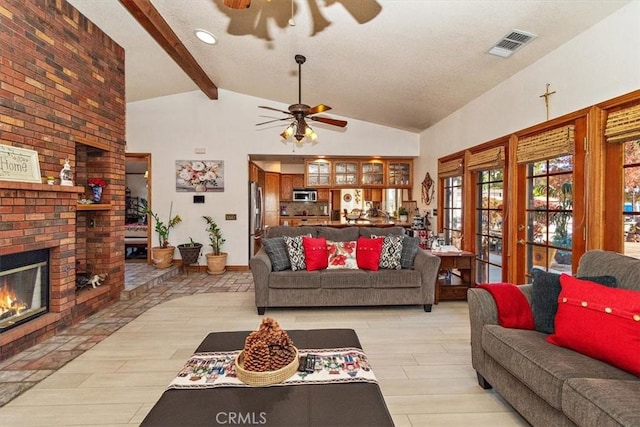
(546, 96)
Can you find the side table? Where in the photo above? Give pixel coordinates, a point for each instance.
(450, 288)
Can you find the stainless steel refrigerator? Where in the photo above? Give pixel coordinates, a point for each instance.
(256, 217)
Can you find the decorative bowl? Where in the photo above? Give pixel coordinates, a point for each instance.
(265, 378)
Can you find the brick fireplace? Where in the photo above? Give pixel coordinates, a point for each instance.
(62, 95)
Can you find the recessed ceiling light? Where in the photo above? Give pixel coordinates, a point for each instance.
(206, 36)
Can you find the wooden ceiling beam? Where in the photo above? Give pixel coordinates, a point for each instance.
(151, 20)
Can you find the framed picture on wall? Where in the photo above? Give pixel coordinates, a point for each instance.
(199, 175)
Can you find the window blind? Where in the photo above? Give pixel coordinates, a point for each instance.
(450, 168)
(493, 158)
(546, 145)
(623, 125)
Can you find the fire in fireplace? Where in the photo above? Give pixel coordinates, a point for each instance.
(24, 287)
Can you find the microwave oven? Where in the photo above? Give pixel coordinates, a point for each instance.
(304, 195)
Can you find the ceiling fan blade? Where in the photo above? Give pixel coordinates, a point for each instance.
(319, 109)
(327, 120)
(274, 109)
(237, 4)
(274, 120)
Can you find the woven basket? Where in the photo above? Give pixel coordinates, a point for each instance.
(265, 378)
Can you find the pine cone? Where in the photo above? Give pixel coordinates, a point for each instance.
(269, 348)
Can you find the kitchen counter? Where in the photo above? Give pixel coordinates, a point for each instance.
(360, 223)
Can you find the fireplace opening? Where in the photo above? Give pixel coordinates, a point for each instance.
(24, 287)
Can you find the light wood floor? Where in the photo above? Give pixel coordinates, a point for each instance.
(422, 361)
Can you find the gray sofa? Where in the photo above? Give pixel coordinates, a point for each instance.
(342, 287)
(551, 385)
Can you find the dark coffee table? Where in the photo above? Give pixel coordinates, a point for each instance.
(326, 405)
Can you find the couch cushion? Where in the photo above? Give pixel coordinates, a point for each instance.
(543, 367)
(544, 296)
(342, 255)
(341, 279)
(280, 231)
(316, 255)
(301, 279)
(601, 402)
(625, 269)
(346, 234)
(410, 246)
(600, 322)
(381, 231)
(394, 279)
(276, 249)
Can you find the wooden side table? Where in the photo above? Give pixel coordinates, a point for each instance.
(449, 288)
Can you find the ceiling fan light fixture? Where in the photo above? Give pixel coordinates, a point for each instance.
(205, 36)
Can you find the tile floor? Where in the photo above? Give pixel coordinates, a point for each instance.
(111, 368)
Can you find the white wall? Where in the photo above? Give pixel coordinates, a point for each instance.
(172, 127)
(597, 65)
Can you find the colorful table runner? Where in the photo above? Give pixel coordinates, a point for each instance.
(333, 366)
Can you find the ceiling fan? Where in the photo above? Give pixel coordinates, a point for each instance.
(298, 112)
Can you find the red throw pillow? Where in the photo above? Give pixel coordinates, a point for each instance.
(368, 253)
(600, 322)
(315, 253)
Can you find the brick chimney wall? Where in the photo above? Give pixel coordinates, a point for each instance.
(62, 94)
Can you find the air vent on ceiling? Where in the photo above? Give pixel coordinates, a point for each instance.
(511, 42)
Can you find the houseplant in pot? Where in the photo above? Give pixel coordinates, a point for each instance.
(216, 259)
(162, 256)
(189, 252)
(403, 214)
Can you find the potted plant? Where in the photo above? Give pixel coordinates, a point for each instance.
(189, 252)
(162, 256)
(403, 214)
(216, 259)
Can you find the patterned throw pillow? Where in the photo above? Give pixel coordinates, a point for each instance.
(410, 246)
(342, 255)
(276, 249)
(391, 252)
(295, 249)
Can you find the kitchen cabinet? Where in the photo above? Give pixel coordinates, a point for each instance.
(345, 173)
(253, 172)
(323, 194)
(372, 173)
(271, 198)
(287, 183)
(317, 173)
(372, 194)
(399, 173)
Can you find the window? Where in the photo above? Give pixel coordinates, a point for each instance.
(490, 221)
(631, 204)
(549, 214)
(452, 208)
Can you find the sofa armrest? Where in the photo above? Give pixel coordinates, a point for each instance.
(428, 265)
(260, 266)
(483, 311)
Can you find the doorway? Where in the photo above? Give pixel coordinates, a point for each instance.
(137, 234)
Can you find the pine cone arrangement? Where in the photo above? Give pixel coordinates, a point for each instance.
(269, 348)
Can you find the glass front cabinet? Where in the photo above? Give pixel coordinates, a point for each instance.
(317, 173)
(399, 173)
(372, 173)
(345, 173)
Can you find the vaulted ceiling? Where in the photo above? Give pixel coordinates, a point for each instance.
(400, 63)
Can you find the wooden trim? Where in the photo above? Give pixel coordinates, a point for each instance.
(150, 19)
(93, 143)
(514, 215)
(595, 183)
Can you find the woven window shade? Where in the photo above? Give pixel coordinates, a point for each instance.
(623, 126)
(450, 168)
(546, 145)
(493, 158)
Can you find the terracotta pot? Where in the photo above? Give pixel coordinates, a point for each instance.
(216, 263)
(162, 257)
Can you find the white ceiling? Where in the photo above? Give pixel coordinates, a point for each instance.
(399, 63)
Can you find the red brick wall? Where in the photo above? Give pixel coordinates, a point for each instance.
(61, 88)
